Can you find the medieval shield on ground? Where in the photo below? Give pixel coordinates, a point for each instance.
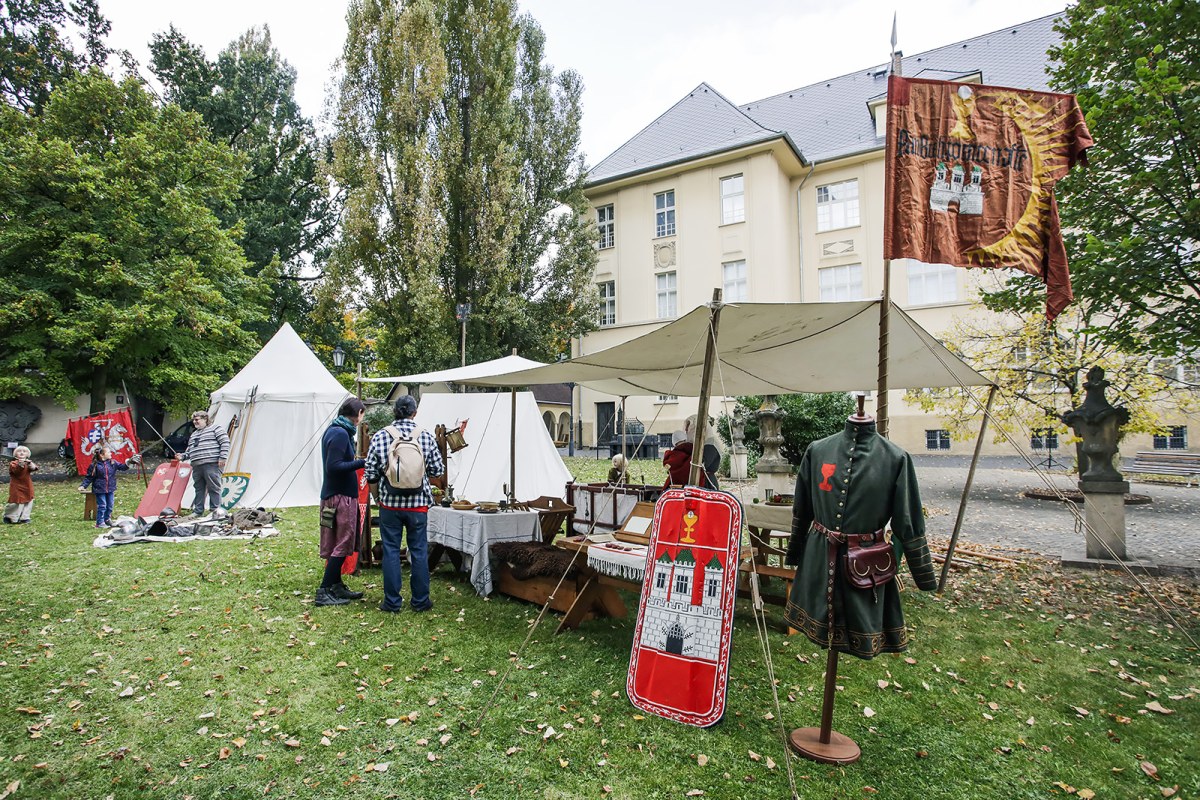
(233, 487)
(167, 485)
(679, 667)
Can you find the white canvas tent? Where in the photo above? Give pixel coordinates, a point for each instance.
(479, 471)
(496, 366)
(763, 348)
(295, 400)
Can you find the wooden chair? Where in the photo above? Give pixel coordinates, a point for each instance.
(552, 513)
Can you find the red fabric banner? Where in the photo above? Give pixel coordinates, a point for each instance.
(970, 177)
(113, 429)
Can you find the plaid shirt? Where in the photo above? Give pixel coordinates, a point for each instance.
(376, 468)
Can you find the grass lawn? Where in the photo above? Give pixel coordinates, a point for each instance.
(202, 670)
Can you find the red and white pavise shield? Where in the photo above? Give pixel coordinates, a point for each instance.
(679, 668)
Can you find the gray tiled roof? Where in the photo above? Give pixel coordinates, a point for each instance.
(702, 123)
(829, 119)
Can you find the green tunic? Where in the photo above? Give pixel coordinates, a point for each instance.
(854, 482)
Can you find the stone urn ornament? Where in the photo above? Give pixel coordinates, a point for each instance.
(1098, 423)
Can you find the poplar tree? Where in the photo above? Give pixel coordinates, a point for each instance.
(458, 147)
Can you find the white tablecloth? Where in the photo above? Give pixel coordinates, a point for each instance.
(470, 533)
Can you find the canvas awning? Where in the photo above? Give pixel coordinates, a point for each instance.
(497, 366)
(763, 348)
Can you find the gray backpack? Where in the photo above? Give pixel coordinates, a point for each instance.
(405, 460)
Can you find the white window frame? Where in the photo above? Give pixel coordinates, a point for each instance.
(841, 283)
(608, 303)
(1176, 438)
(940, 441)
(607, 225)
(666, 295)
(932, 284)
(664, 214)
(837, 206)
(1176, 370)
(1043, 439)
(733, 199)
(735, 287)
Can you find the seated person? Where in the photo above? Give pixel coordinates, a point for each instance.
(619, 472)
(678, 460)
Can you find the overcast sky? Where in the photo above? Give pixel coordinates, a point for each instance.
(636, 57)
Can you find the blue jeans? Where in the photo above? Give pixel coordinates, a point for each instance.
(392, 524)
(104, 507)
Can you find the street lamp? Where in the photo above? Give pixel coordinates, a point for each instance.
(339, 356)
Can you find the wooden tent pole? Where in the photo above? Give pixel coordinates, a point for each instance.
(512, 445)
(881, 405)
(962, 504)
(710, 359)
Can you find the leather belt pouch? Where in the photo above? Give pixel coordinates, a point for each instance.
(328, 516)
(868, 566)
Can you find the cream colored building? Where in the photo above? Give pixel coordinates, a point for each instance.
(777, 200)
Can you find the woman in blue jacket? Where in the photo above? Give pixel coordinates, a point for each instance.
(339, 502)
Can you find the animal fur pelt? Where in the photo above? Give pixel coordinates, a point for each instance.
(534, 559)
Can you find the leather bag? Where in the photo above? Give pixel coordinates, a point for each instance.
(869, 566)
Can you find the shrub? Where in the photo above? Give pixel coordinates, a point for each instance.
(807, 418)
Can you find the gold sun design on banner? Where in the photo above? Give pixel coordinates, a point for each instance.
(1039, 130)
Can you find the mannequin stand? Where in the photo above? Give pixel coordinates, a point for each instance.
(824, 744)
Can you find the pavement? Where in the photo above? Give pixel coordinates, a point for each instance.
(1164, 533)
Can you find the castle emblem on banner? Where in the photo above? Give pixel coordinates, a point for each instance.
(968, 195)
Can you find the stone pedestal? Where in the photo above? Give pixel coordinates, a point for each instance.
(1104, 513)
(774, 472)
(737, 466)
(1098, 425)
(737, 452)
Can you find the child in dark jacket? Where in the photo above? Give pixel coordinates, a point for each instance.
(102, 478)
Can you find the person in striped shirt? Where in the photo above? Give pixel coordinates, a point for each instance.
(401, 511)
(207, 450)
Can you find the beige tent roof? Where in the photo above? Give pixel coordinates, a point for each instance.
(497, 366)
(764, 348)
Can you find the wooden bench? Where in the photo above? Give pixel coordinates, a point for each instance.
(1165, 462)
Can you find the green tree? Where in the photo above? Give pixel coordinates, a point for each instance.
(112, 263)
(392, 236)
(1040, 371)
(1132, 218)
(287, 211)
(36, 49)
(807, 418)
(459, 146)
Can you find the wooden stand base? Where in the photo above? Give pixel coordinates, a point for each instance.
(840, 749)
(89, 506)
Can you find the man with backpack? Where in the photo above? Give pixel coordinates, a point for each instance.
(400, 462)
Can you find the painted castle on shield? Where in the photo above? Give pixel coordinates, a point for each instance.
(683, 611)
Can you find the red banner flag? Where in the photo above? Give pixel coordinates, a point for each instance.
(970, 177)
(113, 429)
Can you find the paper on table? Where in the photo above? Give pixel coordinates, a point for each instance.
(637, 525)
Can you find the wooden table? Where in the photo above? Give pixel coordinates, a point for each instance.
(470, 533)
